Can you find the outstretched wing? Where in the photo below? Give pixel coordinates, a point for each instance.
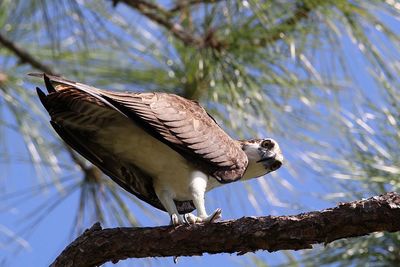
(180, 123)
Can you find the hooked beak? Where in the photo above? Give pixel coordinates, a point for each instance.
(270, 160)
(267, 156)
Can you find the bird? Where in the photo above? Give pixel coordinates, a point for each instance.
(163, 148)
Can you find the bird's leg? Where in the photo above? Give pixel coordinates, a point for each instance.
(198, 185)
(166, 199)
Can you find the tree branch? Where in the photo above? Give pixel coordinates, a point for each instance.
(162, 17)
(248, 234)
(301, 13)
(24, 56)
(91, 172)
(184, 4)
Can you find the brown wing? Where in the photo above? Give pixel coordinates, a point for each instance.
(180, 123)
(75, 121)
(186, 127)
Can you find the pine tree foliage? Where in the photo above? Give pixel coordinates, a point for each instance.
(295, 70)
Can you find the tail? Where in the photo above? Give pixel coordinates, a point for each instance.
(47, 82)
(52, 85)
(42, 96)
(49, 87)
(51, 80)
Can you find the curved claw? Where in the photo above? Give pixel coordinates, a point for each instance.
(192, 219)
(217, 214)
(176, 220)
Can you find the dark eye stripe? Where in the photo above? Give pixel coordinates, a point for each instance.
(268, 144)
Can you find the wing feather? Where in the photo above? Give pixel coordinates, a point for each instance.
(180, 123)
(121, 172)
(124, 173)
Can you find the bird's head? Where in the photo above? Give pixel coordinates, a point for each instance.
(264, 156)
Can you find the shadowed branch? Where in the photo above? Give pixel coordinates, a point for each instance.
(162, 16)
(185, 4)
(23, 55)
(26, 58)
(248, 234)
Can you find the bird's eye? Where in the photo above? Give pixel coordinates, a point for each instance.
(268, 144)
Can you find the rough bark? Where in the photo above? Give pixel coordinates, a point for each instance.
(247, 234)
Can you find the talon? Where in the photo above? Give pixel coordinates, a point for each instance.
(175, 220)
(185, 219)
(190, 218)
(217, 214)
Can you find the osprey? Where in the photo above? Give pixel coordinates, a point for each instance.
(165, 149)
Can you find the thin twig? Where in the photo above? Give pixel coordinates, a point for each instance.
(24, 56)
(184, 4)
(301, 13)
(161, 16)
